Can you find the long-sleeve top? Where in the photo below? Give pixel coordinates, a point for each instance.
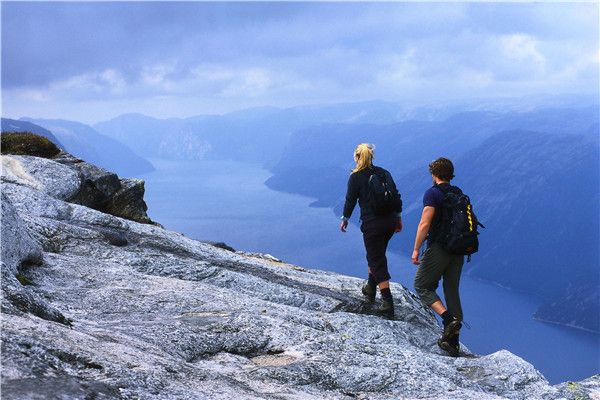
(358, 189)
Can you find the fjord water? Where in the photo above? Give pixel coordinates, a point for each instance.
(228, 201)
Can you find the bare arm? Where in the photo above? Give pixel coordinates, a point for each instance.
(422, 230)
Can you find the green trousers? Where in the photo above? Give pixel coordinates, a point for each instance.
(436, 264)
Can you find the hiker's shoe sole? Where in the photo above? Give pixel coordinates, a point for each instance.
(451, 330)
(448, 348)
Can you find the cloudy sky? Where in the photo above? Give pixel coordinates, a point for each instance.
(94, 61)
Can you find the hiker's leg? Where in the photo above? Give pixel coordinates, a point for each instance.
(369, 290)
(451, 285)
(428, 276)
(388, 236)
(376, 235)
(375, 245)
(390, 227)
(438, 307)
(450, 337)
(366, 230)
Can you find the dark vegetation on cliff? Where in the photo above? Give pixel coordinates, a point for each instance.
(13, 125)
(27, 143)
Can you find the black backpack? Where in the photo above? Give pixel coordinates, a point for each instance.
(383, 194)
(457, 228)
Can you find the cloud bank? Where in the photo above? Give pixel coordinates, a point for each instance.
(92, 61)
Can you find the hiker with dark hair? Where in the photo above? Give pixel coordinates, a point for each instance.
(450, 228)
(380, 208)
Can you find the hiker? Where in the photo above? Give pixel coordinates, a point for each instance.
(437, 263)
(380, 208)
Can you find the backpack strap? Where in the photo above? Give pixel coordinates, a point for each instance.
(450, 188)
(444, 189)
(379, 172)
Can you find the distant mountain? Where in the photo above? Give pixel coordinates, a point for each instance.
(318, 159)
(84, 142)
(203, 137)
(13, 125)
(139, 131)
(260, 134)
(257, 135)
(533, 178)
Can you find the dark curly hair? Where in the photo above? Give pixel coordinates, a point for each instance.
(442, 168)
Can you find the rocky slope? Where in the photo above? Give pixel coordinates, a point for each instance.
(98, 306)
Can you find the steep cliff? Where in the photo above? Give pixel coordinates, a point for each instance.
(98, 306)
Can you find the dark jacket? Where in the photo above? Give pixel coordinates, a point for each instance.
(358, 189)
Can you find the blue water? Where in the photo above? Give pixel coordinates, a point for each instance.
(228, 201)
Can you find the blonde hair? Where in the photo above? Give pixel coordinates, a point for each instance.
(363, 155)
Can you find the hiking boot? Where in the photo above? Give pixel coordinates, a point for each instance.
(451, 329)
(452, 349)
(369, 292)
(387, 309)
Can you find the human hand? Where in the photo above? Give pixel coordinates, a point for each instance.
(415, 257)
(344, 225)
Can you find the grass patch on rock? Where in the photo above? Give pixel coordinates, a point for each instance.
(27, 143)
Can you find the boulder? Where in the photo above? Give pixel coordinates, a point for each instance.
(98, 186)
(105, 191)
(128, 202)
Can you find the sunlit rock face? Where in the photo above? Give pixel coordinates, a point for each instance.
(99, 306)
